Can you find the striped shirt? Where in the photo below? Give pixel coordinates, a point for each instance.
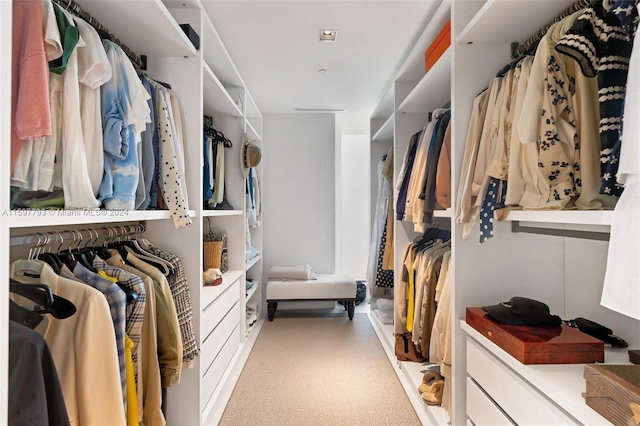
(602, 47)
(117, 301)
(135, 310)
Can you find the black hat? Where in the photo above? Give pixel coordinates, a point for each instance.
(523, 311)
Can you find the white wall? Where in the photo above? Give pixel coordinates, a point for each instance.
(299, 190)
(354, 193)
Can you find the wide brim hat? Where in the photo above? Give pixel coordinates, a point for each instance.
(523, 311)
(250, 156)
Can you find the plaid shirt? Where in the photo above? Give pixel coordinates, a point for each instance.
(118, 305)
(135, 310)
(182, 299)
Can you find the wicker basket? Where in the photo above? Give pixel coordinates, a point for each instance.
(212, 254)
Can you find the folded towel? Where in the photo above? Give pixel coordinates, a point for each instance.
(299, 272)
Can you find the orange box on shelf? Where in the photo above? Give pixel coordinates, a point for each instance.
(438, 46)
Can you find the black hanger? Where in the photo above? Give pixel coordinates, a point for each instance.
(165, 269)
(68, 259)
(104, 254)
(45, 301)
(220, 137)
(131, 294)
(52, 260)
(39, 293)
(142, 74)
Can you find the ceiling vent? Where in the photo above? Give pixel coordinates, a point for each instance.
(320, 109)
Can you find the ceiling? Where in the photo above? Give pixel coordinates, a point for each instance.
(275, 46)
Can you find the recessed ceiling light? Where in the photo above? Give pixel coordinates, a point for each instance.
(328, 35)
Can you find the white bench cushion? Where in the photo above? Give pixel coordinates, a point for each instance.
(327, 286)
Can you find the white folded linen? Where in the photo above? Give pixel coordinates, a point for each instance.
(298, 272)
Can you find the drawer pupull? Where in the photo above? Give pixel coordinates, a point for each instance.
(489, 333)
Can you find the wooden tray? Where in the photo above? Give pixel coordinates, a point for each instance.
(537, 345)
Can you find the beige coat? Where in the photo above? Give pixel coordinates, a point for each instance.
(83, 347)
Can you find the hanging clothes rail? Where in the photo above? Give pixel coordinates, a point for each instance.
(584, 235)
(139, 61)
(40, 240)
(519, 49)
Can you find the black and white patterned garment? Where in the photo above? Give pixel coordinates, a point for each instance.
(182, 299)
(384, 277)
(602, 47)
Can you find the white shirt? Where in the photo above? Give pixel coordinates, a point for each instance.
(94, 70)
(621, 290)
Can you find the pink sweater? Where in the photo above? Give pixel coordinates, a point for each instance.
(30, 112)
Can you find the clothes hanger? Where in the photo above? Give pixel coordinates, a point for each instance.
(86, 254)
(68, 257)
(50, 258)
(45, 301)
(138, 247)
(103, 253)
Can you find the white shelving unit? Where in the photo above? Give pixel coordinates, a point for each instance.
(565, 268)
(403, 111)
(205, 82)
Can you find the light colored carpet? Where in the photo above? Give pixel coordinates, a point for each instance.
(318, 371)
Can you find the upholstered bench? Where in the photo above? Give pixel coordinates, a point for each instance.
(332, 287)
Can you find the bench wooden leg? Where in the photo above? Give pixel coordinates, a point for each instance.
(350, 308)
(271, 309)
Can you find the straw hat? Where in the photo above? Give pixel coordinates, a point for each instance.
(250, 157)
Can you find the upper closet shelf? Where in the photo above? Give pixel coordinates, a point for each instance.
(506, 21)
(413, 67)
(217, 100)
(217, 56)
(578, 217)
(215, 213)
(385, 131)
(252, 133)
(30, 218)
(158, 34)
(188, 4)
(433, 90)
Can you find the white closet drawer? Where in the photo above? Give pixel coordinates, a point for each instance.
(216, 310)
(518, 399)
(481, 410)
(214, 373)
(214, 342)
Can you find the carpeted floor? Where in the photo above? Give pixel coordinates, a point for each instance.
(318, 371)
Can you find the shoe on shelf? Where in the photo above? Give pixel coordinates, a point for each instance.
(434, 395)
(429, 378)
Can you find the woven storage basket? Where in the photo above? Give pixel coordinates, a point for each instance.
(212, 254)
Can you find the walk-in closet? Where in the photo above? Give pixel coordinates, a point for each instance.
(162, 157)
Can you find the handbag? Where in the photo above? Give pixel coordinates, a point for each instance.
(406, 350)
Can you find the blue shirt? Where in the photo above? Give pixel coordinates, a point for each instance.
(121, 164)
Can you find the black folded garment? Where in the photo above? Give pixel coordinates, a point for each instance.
(598, 331)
